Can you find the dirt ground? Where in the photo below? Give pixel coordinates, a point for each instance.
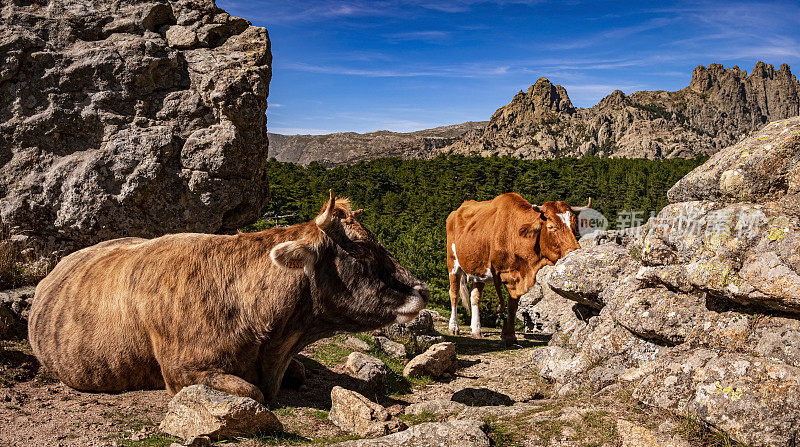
(36, 410)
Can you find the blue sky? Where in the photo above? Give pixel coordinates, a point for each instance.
(406, 65)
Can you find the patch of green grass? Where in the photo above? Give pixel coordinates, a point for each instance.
(319, 414)
(597, 428)
(281, 438)
(500, 434)
(152, 441)
(366, 338)
(416, 419)
(547, 430)
(285, 411)
(330, 354)
(699, 433)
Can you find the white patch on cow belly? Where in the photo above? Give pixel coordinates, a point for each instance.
(566, 217)
(481, 278)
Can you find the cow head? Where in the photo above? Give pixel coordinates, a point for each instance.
(359, 284)
(557, 222)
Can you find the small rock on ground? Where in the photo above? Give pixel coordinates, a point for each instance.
(356, 344)
(390, 347)
(356, 414)
(370, 370)
(437, 360)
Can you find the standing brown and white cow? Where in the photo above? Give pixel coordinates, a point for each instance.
(229, 312)
(505, 240)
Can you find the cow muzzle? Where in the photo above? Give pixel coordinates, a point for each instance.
(413, 305)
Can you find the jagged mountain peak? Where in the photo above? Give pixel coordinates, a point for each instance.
(719, 105)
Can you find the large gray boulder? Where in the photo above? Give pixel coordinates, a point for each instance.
(700, 313)
(754, 399)
(761, 168)
(198, 410)
(456, 433)
(130, 118)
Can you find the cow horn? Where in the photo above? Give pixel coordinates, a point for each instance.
(537, 209)
(578, 209)
(324, 219)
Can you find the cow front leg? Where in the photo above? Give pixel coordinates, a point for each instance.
(509, 336)
(501, 300)
(227, 383)
(475, 299)
(455, 284)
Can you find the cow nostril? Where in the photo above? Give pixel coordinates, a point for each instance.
(423, 291)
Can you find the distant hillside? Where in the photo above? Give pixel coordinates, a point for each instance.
(350, 147)
(714, 111)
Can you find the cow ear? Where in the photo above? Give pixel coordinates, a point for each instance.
(292, 255)
(530, 230)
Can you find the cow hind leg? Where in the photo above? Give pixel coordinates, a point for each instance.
(455, 284)
(475, 299)
(227, 383)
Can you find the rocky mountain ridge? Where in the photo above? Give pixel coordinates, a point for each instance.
(350, 147)
(719, 106)
(715, 110)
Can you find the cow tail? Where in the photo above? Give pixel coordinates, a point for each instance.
(463, 290)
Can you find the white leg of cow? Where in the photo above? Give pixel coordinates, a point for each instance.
(455, 280)
(475, 299)
(452, 327)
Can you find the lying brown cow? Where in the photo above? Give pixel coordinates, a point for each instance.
(225, 311)
(505, 240)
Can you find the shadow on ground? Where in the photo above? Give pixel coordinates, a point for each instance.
(320, 380)
(476, 346)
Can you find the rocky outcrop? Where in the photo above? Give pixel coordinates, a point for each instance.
(714, 111)
(350, 147)
(198, 410)
(699, 313)
(130, 118)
